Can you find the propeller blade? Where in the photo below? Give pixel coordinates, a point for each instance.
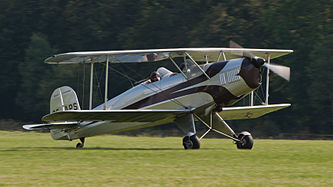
(282, 71)
(233, 44)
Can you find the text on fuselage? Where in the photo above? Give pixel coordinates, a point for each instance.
(230, 76)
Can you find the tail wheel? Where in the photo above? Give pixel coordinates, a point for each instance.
(191, 142)
(246, 140)
(80, 145)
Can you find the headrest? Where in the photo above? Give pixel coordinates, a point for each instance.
(164, 72)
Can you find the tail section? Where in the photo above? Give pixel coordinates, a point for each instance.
(64, 98)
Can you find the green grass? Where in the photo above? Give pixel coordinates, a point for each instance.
(34, 159)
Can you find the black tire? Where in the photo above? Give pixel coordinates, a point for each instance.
(191, 142)
(187, 143)
(196, 142)
(246, 141)
(79, 145)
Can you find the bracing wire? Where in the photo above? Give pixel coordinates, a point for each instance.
(124, 75)
(83, 83)
(258, 97)
(78, 82)
(99, 84)
(260, 94)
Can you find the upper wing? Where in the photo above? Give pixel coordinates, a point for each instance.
(114, 115)
(247, 112)
(153, 55)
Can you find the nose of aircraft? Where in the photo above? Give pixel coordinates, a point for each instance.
(251, 72)
(257, 61)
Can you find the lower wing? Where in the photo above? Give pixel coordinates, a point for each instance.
(248, 112)
(72, 118)
(114, 115)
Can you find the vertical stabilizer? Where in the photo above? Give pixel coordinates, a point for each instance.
(64, 98)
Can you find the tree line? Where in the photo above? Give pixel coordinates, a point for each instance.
(33, 30)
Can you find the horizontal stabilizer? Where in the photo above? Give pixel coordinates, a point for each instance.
(51, 126)
(114, 115)
(248, 112)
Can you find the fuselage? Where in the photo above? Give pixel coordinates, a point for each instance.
(227, 82)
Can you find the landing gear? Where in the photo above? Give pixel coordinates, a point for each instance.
(80, 145)
(245, 140)
(191, 142)
(213, 122)
(187, 125)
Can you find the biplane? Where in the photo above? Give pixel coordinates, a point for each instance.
(208, 82)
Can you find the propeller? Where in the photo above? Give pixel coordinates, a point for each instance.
(282, 71)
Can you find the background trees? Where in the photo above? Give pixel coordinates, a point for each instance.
(34, 29)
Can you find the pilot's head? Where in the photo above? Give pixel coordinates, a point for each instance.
(155, 76)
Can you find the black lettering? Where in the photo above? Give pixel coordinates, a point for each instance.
(75, 106)
(70, 106)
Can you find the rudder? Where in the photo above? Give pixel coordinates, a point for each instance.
(64, 98)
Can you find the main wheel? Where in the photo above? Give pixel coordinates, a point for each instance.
(191, 142)
(246, 140)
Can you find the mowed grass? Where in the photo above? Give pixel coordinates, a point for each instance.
(34, 159)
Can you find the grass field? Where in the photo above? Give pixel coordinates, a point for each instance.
(34, 159)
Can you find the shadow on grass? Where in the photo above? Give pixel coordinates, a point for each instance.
(96, 148)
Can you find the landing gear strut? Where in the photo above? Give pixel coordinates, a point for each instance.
(80, 145)
(191, 142)
(244, 139)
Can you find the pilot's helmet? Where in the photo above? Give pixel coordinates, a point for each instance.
(155, 76)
